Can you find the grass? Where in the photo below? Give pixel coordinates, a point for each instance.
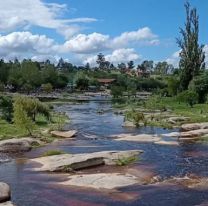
(126, 161)
(197, 113)
(42, 128)
(52, 153)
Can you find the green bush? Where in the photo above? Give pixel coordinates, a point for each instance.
(190, 97)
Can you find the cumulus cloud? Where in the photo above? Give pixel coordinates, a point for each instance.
(174, 59)
(117, 56)
(24, 43)
(18, 14)
(97, 42)
(82, 43)
(143, 35)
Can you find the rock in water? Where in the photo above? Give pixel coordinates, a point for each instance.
(67, 162)
(194, 126)
(143, 138)
(7, 204)
(101, 180)
(4, 192)
(67, 134)
(17, 145)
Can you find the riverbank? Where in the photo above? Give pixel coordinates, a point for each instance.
(166, 112)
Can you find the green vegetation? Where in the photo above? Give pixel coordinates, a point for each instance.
(52, 153)
(126, 161)
(30, 117)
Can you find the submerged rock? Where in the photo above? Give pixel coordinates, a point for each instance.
(66, 134)
(18, 145)
(4, 192)
(194, 126)
(101, 180)
(67, 162)
(137, 138)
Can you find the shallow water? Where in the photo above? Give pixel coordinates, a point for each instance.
(41, 189)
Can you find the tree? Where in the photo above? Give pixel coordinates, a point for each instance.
(122, 67)
(190, 97)
(200, 86)
(163, 68)
(6, 108)
(130, 64)
(21, 119)
(101, 61)
(192, 56)
(146, 66)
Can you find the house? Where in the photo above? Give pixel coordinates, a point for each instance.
(106, 82)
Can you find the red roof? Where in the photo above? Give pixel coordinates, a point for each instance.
(106, 81)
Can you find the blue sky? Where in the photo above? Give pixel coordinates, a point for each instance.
(79, 29)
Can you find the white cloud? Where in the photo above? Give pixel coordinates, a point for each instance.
(143, 35)
(82, 43)
(117, 56)
(174, 59)
(97, 42)
(25, 43)
(18, 14)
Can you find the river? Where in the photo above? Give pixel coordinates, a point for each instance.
(94, 131)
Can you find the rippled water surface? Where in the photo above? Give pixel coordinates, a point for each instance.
(41, 189)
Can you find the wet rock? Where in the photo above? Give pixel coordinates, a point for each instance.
(66, 134)
(189, 135)
(190, 181)
(7, 204)
(194, 126)
(4, 192)
(101, 180)
(128, 124)
(18, 145)
(175, 120)
(137, 138)
(171, 143)
(67, 162)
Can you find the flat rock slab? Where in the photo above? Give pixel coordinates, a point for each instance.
(67, 162)
(194, 134)
(129, 124)
(194, 126)
(171, 143)
(5, 192)
(67, 134)
(18, 145)
(101, 181)
(7, 204)
(137, 138)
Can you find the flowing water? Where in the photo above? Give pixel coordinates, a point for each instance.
(41, 189)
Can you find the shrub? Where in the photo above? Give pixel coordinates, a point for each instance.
(190, 97)
(6, 108)
(48, 88)
(52, 153)
(136, 117)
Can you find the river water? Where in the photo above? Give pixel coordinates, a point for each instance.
(94, 131)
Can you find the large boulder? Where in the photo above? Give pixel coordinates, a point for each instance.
(65, 134)
(143, 138)
(5, 192)
(18, 145)
(194, 126)
(101, 180)
(68, 162)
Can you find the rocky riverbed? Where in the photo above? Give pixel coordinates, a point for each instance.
(106, 164)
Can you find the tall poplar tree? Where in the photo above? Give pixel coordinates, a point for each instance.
(192, 56)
